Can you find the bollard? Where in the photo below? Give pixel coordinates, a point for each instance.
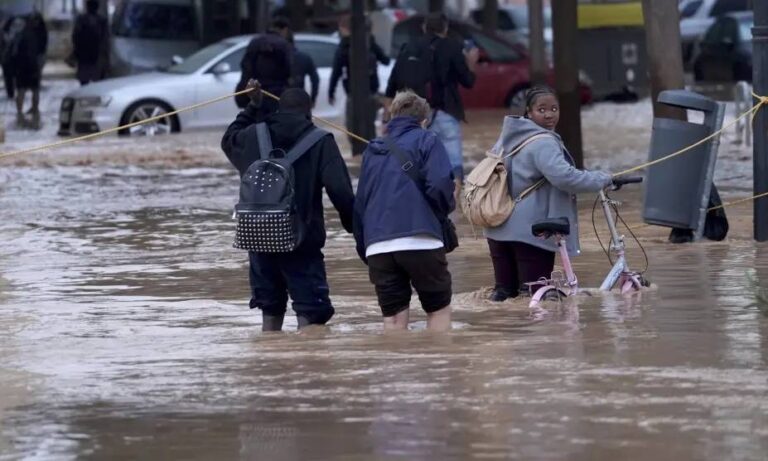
(677, 191)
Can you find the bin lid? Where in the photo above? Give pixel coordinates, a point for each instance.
(687, 100)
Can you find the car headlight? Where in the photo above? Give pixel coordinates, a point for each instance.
(94, 101)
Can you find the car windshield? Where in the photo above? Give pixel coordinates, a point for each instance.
(157, 21)
(199, 59)
(745, 29)
(690, 9)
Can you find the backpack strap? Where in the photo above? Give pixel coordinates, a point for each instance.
(522, 145)
(265, 140)
(406, 163)
(304, 144)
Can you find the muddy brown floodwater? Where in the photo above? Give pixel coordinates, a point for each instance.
(125, 334)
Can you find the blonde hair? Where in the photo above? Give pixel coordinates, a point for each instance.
(409, 104)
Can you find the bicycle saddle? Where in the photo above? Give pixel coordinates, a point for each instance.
(552, 226)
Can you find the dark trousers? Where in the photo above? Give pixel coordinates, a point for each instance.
(9, 79)
(275, 276)
(516, 263)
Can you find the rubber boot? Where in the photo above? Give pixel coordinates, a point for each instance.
(500, 294)
(302, 321)
(272, 322)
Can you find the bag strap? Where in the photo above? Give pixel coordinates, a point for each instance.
(304, 144)
(406, 164)
(522, 145)
(265, 140)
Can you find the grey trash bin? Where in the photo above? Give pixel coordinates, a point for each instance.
(677, 190)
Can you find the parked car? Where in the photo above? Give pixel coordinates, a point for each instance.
(513, 24)
(211, 72)
(503, 74)
(696, 16)
(726, 50)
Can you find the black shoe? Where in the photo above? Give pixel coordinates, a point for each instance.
(501, 294)
(681, 236)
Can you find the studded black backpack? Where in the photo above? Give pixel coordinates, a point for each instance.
(267, 220)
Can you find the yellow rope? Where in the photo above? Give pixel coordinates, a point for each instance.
(160, 117)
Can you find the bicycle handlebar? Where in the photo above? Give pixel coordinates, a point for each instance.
(619, 182)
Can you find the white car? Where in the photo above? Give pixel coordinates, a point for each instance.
(212, 72)
(696, 16)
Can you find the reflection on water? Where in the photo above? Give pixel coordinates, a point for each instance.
(125, 334)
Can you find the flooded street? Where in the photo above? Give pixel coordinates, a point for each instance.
(125, 331)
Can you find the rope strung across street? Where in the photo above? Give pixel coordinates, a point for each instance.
(762, 101)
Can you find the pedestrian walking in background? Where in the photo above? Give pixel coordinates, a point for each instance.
(304, 67)
(267, 59)
(341, 71)
(90, 44)
(518, 256)
(398, 217)
(29, 60)
(9, 41)
(299, 273)
(435, 65)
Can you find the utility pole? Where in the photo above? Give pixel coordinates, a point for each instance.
(360, 89)
(760, 81)
(665, 53)
(258, 11)
(491, 15)
(298, 14)
(565, 26)
(537, 46)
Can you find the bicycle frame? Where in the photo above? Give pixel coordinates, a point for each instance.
(568, 287)
(620, 273)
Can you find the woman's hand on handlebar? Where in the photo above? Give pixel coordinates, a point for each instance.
(619, 182)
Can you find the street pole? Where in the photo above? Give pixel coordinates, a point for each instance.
(665, 53)
(760, 155)
(491, 15)
(537, 46)
(360, 89)
(566, 42)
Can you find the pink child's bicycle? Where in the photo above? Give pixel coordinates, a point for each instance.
(564, 283)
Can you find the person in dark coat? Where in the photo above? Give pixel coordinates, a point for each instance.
(90, 44)
(8, 40)
(341, 68)
(267, 59)
(304, 67)
(301, 273)
(397, 224)
(29, 60)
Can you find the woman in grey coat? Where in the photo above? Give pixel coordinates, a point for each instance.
(518, 256)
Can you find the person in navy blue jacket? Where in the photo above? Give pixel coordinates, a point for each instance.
(397, 221)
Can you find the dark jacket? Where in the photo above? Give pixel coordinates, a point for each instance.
(90, 38)
(267, 59)
(389, 204)
(32, 47)
(341, 66)
(321, 167)
(450, 71)
(303, 67)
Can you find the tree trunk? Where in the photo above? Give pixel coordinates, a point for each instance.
(298, 14)
(361, 114)
(566, 44)
(537, 46)
(760, 156)
(491, 16)
(665, 55)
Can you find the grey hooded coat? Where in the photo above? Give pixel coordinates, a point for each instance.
(543, 158)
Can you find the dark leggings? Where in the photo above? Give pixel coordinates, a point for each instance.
(516, 263)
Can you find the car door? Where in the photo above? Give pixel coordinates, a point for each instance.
(322, 53)
(211, 84)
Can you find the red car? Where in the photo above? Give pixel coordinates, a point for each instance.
(503, 71)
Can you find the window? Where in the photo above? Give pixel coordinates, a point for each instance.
(496, 50)
(691, 8)
(202, 57)
(729, 6)
(745, 30)
(159, 21)
(506, 21)
(234, 59)
(321, 52)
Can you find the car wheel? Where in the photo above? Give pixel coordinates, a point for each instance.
(516, 98)
(144, 110)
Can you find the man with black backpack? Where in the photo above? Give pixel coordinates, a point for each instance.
(90, 44)
(284, 162)
(267, 59)
(434, 66)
